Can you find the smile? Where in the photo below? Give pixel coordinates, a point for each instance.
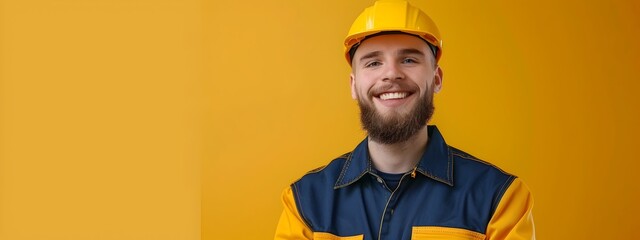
(393, 95)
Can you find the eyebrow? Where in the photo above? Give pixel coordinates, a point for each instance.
(405, 51)
(408, 51)
(370, 55)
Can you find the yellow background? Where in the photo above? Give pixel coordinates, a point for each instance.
(166, 119)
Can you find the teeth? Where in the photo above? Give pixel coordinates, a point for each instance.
(394, 95)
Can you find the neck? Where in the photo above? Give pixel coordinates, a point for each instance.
(398, 157)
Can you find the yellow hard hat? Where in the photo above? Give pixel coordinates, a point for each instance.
(392, 16)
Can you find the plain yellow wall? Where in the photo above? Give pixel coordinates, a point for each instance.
(100, 119)
(172, 119)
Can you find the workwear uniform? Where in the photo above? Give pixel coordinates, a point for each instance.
(448, 195)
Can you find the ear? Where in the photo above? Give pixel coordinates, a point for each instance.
(437, 79)
(352, 81)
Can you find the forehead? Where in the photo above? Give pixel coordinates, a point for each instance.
(391, 43)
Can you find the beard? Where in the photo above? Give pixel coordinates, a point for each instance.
(396, 127)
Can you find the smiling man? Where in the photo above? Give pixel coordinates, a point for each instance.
(403, 181)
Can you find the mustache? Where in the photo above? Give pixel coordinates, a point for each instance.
(392, 87)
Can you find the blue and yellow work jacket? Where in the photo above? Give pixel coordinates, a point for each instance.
(449, 195)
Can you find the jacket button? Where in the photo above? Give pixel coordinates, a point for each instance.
(379, 180)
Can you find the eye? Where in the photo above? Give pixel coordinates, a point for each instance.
(409, 60)
(372, 64)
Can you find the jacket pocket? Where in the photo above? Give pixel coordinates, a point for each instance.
(442, 233)
(329, 236)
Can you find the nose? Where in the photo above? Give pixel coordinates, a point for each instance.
(393, 72)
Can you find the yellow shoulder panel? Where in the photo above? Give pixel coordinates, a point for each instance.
(291, 226)
(513, 218)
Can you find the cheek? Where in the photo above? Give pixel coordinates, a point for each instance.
(361, 90)
(423, 86)
(363, 84)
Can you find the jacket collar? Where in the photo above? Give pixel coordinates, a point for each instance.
(436, 161)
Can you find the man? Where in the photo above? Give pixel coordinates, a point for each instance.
(403, 181)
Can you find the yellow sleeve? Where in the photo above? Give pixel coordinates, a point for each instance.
(291, 225)
(513, 218)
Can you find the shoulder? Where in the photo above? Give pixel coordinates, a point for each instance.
(479, 176)
(315, 190)
(469, 164)
(324, 176)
